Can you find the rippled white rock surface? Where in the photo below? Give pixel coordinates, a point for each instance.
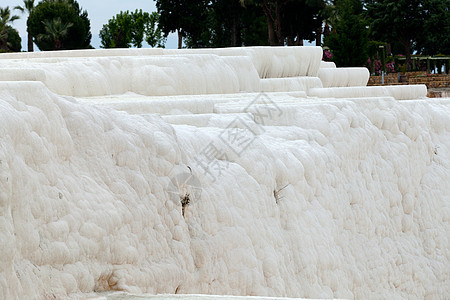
(133, 186)
(127, 296)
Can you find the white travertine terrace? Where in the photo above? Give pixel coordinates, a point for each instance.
(405, 92)
(327, 64)
(344, 77)
(319, 188)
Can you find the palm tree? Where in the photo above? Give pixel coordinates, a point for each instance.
(55, 30)
(28, 6)
(330, 16)
(5, 19)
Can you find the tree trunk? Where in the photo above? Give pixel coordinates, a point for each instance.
(290, 41)
(280, 36)
(30, 38)
(234, 32)
(408, 57)
(58, 45)
(270, 25)
(326, 30)
(30, 43)
(407, 44)
(238, 35)
(272, 41)
(319, 36)
(180, 39)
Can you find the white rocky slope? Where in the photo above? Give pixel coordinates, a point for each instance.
(284, 194)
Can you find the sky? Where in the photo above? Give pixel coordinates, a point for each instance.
(99, 11)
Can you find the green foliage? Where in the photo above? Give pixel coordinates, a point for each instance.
(254, 27)
(138, 21)
(28, 7)
(153, 34)
(349, 39)
(397, 21)
(117, 33)
(330, 14)
(229, 24)
(219, 23)
(408, 26)
(300, 20)
(14, 41)
(55, 31)
(436, 36)
(128, 29)
(291, 21)
(224, 24)
(5, 30)
(187, 18)
(78, 35)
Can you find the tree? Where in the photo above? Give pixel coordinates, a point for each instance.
(154, 35)
(254, 27)
(330, 17)
(349, 39)
(78, 35)
(55, 31)
(399, 21)
(225, 23)
(271, 11)
(291, 21)
(28, 6)
(138, 21)
(436, 36)
(129, 29)
(301, 20)
(186, 18)
(229, 24)
(14, 41)
(117, 33)
(5, 31)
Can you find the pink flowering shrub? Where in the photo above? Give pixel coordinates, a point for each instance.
(327, 55)
(376, 66)
(390, 67)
